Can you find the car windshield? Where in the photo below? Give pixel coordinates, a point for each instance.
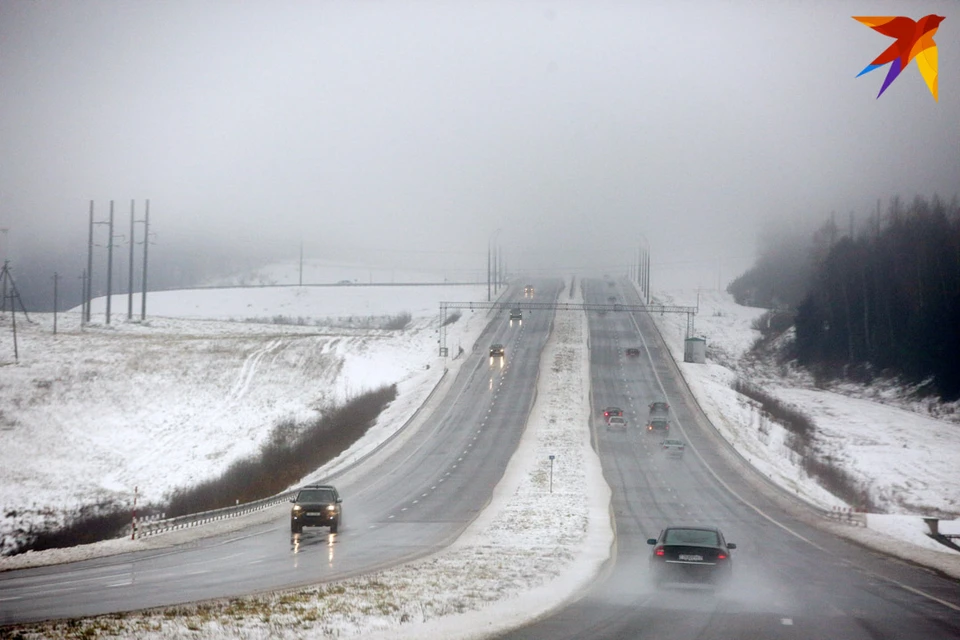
(691, 536)
(316, 495)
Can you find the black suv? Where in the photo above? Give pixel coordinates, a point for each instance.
(496, 350)
(316, 505)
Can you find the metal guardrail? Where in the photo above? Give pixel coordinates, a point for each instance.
(845, 515)
(148, 527)
(946, 539)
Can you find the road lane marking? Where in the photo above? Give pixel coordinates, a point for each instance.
(757, 509)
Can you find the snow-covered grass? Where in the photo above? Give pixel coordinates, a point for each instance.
(526, 563)
(540, 541)
(93, 413)
(906, 458)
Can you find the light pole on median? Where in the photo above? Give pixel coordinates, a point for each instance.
(643, 270)
(491, 267)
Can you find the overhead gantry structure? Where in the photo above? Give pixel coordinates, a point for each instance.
(445, 308)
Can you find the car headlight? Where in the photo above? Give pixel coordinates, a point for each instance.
(331, 507)
(297, 508)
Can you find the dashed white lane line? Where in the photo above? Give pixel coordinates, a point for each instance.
(787, 622)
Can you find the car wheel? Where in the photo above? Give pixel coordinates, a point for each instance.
(335, 526)
(296, 528)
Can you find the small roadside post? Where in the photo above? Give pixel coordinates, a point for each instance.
(551, 472)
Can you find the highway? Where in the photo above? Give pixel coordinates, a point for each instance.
(791, 579)
(412, 499)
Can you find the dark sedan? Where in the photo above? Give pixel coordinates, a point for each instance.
(316, 505)
(691, 554)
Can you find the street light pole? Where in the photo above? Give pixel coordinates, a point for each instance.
(110, 262)
(491, 261)
(643, 268)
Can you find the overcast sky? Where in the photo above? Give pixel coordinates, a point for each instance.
(409, 132)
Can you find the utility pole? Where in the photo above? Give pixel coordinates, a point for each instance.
(88, 292)
(56, 277)
(110, 262)
(7, 277)
(3, 303)
(83, 294)
(130, 278)
(146, 243)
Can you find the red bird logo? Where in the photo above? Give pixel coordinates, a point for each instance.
(914, 40)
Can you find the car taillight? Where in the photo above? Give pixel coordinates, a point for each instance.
(721, 556)
(658, 551)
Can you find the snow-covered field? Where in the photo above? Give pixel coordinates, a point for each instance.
(540, 561)
(906, 458)
(94, 413)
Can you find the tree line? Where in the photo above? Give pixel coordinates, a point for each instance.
(883, 295)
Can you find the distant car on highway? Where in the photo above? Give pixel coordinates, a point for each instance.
(611, 412)
(658, 424)
(528, 291)
(659, 407)
(633, 352)
(691, 554)
(496, 350)
(316, 505)
(659, 418)
(516, 314)
(616, 422)
(673, 448)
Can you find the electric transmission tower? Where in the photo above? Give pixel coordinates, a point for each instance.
(10, 293)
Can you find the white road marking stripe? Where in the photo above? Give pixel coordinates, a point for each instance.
(760, 512)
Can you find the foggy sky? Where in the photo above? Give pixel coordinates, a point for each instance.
(406, 133)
